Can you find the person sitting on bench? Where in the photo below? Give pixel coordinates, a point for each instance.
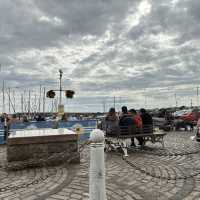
(112, 122)
(126, 123)
(138, 123)
(147, 121)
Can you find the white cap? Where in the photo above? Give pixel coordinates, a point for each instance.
(97, 136)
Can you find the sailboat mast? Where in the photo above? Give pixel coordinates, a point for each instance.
(3, 90)
(44, 93)
(39, 107)
(9, 103)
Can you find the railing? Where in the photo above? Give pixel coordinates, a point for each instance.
(88, 126)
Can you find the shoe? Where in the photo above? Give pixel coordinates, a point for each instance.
(142, 143)
(133, 145)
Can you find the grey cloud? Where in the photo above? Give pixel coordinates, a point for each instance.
(131, 59)
(23, 29)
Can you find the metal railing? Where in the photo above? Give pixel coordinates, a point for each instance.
(88, 126)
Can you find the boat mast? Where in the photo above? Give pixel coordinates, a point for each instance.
(29, 102)
(3, 90)
(22, 103)
(44, 93)
(9, 103)
(14, 103)
(60, 78)
(40, 99)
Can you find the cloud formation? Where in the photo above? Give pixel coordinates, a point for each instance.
(144, 51)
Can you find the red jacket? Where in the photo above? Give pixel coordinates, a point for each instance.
(137, 121)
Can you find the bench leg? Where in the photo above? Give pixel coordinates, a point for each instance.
(163, 144)
(107, 148)
(143, 144)
(124, 148)
(125, 151)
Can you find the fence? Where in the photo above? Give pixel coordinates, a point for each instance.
(88, 126)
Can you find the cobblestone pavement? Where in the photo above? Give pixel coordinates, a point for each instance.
(151, 174)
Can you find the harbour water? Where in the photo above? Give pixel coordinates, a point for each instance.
(87, 126)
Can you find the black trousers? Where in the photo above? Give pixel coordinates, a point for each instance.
(5, 133)
(140, 140)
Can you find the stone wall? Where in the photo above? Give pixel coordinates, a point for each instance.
(61, 149)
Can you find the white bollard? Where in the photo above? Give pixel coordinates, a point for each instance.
(97, 188)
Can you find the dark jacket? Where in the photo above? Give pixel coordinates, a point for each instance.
(146, 119)
(111, 124)
(126, 120)
(147, 122)
(126, 124)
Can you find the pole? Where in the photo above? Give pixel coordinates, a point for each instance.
(35, 104)
(40, 99)
(197, 96)
(120, 102)
(22, 103)
(145, 101)
(104, 105)
(176, 101)
(60, 78)
(29, 103)
(9, 104)
(52, 106)
(114, 102)
(3, 96)
(97, 189)
(56, 105)
(14, 103)
(25, 102)
(44, 91)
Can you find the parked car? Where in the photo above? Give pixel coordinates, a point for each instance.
(198, 134)
(182, 124)
(198, 131)
(187, 119)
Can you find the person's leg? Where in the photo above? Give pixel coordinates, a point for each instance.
(140, 140)
(192, 126)
(132, 142)
(5, 134)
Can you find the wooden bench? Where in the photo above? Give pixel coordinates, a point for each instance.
(121, 137)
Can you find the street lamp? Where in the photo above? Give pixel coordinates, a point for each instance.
(61, 73)
(68, 93)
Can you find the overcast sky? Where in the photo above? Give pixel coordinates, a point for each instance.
(143, 52)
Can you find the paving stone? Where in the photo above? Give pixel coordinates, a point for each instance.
(154, 173)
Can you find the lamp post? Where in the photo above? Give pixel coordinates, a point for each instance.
(61, 73)
(68, 94)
